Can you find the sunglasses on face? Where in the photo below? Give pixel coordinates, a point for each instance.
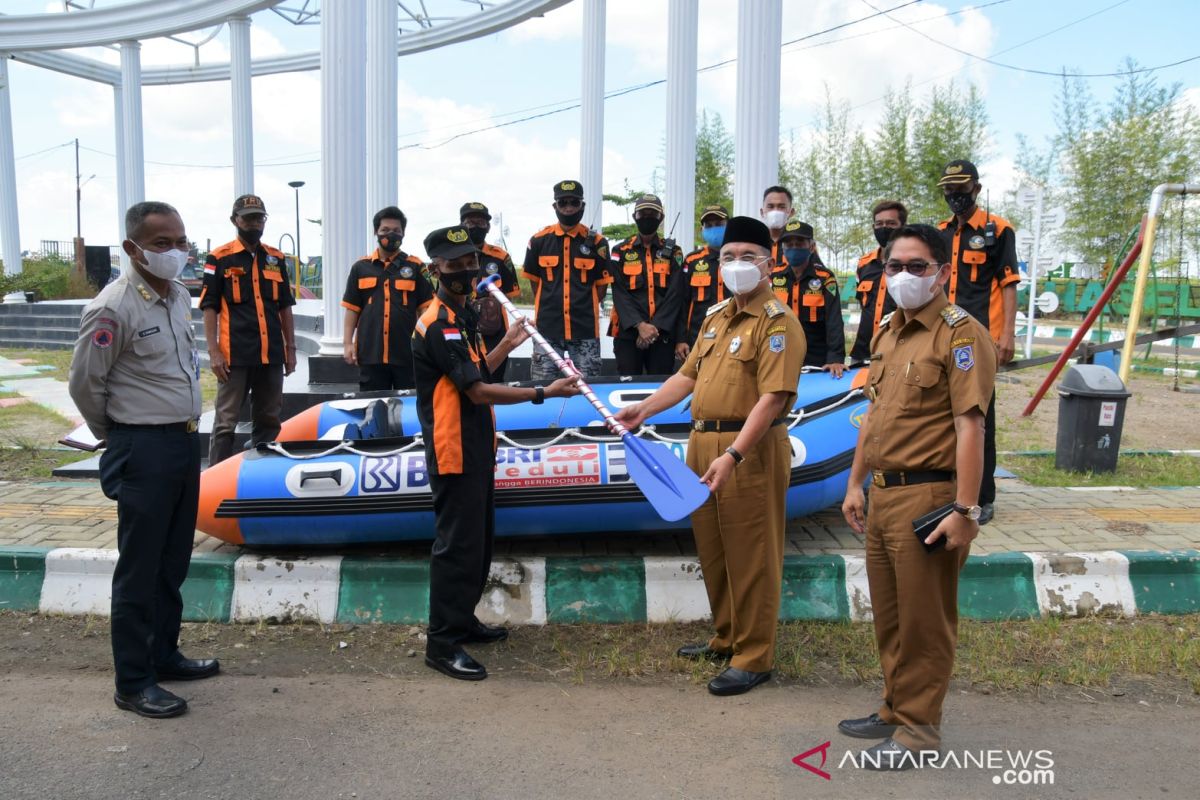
(569, 202)
(917, 268)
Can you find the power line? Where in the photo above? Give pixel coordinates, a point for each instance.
(47, 150)
(1031, 71)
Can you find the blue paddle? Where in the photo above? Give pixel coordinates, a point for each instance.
(673, 490)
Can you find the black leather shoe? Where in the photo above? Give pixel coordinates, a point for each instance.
(701, 651)
(153, 701)
(736, 681)
(891, 756)
(986, 512)
(872, 727)
(486, 634)
(189, 669)
(457, 664)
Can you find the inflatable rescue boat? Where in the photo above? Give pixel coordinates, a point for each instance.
(353, 471)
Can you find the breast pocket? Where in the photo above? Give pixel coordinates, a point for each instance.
(274, 280)
(583, 268)
(923, 385)
(976, 258)
(864, 289)
(153, 345)
(741, 367)
(236, 285)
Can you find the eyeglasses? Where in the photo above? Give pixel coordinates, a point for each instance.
(917, 268)
(568, 202)
(727, 260)
(254, 217)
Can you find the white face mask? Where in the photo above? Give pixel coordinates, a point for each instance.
(775, 219)
(909, 291)
(741, 276)
(168, 265)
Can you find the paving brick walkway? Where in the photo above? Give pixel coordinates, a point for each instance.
(1029, 519)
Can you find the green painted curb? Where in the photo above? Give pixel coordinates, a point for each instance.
(21, 572)
(383, 590)
(208, 590)
(997, 586)
(595, 590)
(1165, 582)
(814, 587)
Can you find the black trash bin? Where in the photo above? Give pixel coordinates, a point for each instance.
(1091, 413)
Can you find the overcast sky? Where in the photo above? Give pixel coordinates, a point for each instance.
(476, 84)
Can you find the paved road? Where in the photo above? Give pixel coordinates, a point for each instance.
(414, 734)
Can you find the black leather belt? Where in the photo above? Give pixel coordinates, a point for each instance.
(188, 426)
(725, 425)
(885, 480)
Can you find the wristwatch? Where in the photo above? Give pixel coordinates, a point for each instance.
(970, 512)
(735, 455)
(539, 395)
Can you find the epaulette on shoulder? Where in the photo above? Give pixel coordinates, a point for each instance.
(866, 259)
(715, 307)
(415, 260)
(229, 247)
(271, 251)
(773, 308)
(544, 231)
(954, 315)
(885, 320)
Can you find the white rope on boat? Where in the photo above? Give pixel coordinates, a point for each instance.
(644, 432)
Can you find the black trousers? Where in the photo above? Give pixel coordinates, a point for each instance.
(154, 476)
(987, 488)
(372, 377)
(657, 359)
(491, 342)
(465, 511)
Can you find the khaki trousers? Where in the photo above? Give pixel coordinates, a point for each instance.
(739, 539)
(914, 597)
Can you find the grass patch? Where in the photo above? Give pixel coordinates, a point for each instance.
(35, 463)
(28, 434)
(1132, 470)
(59, 359)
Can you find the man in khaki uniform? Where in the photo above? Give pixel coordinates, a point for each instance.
(933, 367)
(742, 373)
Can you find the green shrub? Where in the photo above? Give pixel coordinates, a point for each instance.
(49, 279)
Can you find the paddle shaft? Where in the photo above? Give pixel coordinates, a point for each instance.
(540, 342)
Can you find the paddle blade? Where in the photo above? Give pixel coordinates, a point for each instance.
(668, 484)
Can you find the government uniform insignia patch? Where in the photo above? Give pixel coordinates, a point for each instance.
(585, 250)
(776, 343)
(406, 272)
(975, 242)
(954, 315)
(814, 283)
(631, 256)
(711, 333)
(715, 307)
(779, 281)
(735, 344)
(452, 335)
(456, 236)
(102, 339)
(702, 266)
(272, 260)
(772, 308)
(492, 268)
(964, 357)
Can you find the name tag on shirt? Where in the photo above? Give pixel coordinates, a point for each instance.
(148, 332)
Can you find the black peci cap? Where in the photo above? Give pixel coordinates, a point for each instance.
(747, 229)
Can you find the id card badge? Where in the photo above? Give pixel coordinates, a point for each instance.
(196, 363)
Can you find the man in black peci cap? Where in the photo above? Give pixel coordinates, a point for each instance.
(455, 395)
(742, 374)
(567, 265)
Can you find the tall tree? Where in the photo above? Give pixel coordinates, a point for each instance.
(714, 164)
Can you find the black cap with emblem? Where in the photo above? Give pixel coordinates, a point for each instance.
(720, 212)
(248, 204)
(568, 189)
(748, 229)
(958, 173)
(473, 208)
(449, 243)
(795, 227)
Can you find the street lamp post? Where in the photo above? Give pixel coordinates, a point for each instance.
(296, 185)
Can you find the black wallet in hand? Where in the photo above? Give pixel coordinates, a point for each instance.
(925, 525)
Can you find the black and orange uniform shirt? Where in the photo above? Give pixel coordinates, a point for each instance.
(979, 269)
(702, 287)
(781, 270)
(448, 357)
(496, 261)
(647, 286)
(568, 270)
(388, 297)
(247, 289)
(875, 300)
(813, 297)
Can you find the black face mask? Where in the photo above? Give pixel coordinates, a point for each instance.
(478, 235)
(250, 235)
(882, 235)
(569, 220)
(647, 225)
(459, 282)
(390, 241)
(960, 202)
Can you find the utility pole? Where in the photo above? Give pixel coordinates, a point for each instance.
(78, 194)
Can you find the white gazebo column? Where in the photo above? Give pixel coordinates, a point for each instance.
(591, 113)
(756, 128)
(133, 175)
(683, 17)
(10, 224)
(243, 117)
(382, 168)
(343, 165)
(119, 149)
